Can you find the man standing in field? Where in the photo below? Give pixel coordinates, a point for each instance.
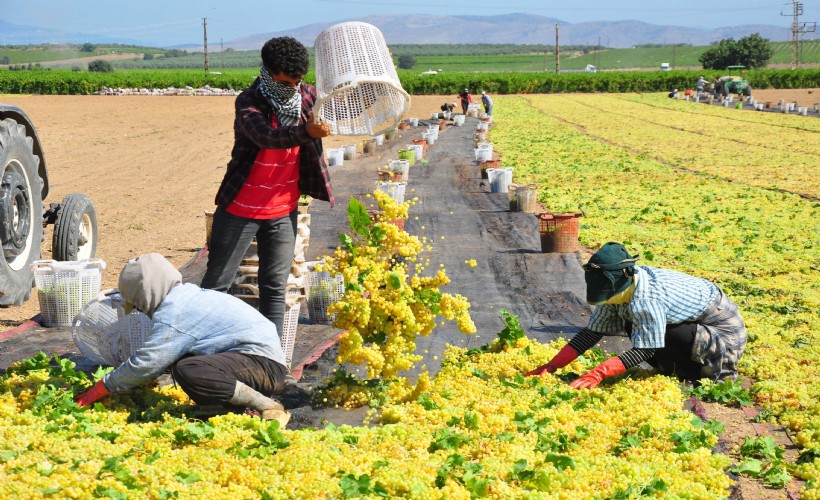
(466, 99)
(276, 157)
(680, 324)
(487, 101)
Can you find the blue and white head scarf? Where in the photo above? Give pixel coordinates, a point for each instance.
(286, 101)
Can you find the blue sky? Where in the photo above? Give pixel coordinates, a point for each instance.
(172, 22)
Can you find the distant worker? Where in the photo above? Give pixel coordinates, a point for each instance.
(487, 101)
(673, 94)
(466, 100)
(448, 106)
(701, 85)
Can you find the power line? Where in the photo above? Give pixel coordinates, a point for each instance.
(798, 29)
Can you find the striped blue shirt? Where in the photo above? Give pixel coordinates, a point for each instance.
(661, 297)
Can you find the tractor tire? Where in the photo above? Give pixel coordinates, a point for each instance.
(21, 212)
(75, 230)
(747, 91)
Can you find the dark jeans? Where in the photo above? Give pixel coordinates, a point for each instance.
(676, 357)
(275, 238)
(211, 379)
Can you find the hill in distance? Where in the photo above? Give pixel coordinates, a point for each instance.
(520, 29)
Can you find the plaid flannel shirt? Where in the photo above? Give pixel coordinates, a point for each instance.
(253, 131)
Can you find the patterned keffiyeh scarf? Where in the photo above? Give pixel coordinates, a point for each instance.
(285, 101)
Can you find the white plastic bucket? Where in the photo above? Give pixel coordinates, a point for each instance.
(483, 154)
(500, 179)
(394, 190)
(402, 166)
(434, 116)
(414, 122)
(485, 145)
(482, 126)
(349, 151)
(335, 157)
(430, 138)
(378, 139)
(419, 148)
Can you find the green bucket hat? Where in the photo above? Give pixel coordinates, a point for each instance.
(608, 272)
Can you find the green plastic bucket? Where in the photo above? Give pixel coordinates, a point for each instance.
(408, 154)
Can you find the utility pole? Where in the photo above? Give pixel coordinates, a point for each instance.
(205, 42)
(557, 52)
(798, 29)
(598, 54)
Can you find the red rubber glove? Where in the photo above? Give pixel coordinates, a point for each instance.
(91, 396)
(609, 368)
(564, 357)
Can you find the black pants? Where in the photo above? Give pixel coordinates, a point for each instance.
(675, 357)
(211, 379)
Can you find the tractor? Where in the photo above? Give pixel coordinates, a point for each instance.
(726, 85)
(24, 216)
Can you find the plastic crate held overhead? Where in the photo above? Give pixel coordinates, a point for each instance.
(359, 90)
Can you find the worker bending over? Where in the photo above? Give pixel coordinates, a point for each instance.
(221, 351)
(680, 324)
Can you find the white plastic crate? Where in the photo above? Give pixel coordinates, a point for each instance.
(356, 80)
(63, 288)
(293, 303)
(321, 290)
(105, 334)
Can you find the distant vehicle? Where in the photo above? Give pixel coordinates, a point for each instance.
(665, 67)
(591, 69)
(430, 72)
(738, 67)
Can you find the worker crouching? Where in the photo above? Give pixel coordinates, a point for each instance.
(680, 324)
(220, 350)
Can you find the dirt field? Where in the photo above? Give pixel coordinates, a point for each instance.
(152, 166)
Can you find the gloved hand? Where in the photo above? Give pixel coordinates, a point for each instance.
(91, 396)
(609, 368)
(564, 357)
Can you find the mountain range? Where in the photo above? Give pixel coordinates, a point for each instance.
(467, 29)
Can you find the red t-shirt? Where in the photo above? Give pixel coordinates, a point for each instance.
(272, 187)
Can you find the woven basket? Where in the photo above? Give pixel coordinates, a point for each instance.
(359, 89)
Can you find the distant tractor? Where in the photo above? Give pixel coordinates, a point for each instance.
(726, 85)
(23, 215)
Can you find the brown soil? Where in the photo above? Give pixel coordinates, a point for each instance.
(151, 165)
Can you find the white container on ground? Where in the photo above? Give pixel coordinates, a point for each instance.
(335, 157)
(64, 288)
(483, 154)
(321, 290)
(485, 145)
(434, 116)
(349, 151)
(394, 190)
(378, 139)
(402, 166)
(430, 138)
(458, 120)
(482, 126)
(500, 179)
(414, 122)
(419, 148)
